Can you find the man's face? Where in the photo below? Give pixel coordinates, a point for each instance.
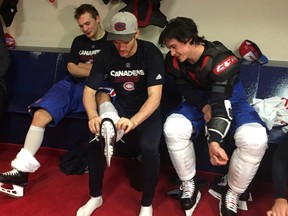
(88, 25)
(126, 49)
(178, 49)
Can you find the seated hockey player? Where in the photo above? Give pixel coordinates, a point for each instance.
(135, 68)
(63, 98)
(206, 74)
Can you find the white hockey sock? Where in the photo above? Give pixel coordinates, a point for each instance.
(92, 204)
(146, 211)
(34, 139)
(25, 161)
(107, 110)
(107, 107)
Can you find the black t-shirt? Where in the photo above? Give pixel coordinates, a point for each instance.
(130, 76)
(83, 50)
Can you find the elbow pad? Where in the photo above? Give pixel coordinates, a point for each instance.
(220, 123)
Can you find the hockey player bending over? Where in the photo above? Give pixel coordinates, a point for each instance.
(206, 74)
(135, 68)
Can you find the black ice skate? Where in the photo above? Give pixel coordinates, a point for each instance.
(219, 186)
(228, 203)
(17, 179)
(190, 196)
(108, 134)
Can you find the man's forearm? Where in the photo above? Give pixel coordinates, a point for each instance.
(149, 106)
(80, 70)
(89, 102)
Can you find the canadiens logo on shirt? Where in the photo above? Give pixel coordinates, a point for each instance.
(127, 77)
(87, 56)
(89, 52)
(128, 86)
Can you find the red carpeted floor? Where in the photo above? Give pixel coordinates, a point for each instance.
(52, 193)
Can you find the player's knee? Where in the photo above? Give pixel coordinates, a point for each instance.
(102, 97)
(252, 138)
(41, 118)
(177, 128)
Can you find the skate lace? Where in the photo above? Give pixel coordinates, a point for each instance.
(120, 134)
(12, 172)
(188, 188)
(231, 199)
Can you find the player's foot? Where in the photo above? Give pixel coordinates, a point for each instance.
(190, 196)
(17, 179)
(228, 203)
(146, 211)
(219, 186)
(92, 204)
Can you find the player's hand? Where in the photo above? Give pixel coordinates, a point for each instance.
(207, 112)
(94, 124)
(218, 156)
(280, 208)
(125, 124)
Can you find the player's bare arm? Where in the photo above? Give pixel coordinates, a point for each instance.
(207, 112)
(81, 70)
(90, 106)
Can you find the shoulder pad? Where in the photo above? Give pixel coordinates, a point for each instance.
(217, 59)
(224, 66)
(224, 63)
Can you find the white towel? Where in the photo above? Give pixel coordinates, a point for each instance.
(273, 111)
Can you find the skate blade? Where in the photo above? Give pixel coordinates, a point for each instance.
(214, 194)
(108, 160)
(175, 194)
(15, 191)
(250, 199)
(108, 152)
(189, 212)
(242, 205)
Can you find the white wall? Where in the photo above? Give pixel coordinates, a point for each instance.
(42, 24)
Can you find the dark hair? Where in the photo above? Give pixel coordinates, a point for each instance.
(182, 29)
(85, 8)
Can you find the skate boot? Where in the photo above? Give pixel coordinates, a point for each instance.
(219, 186)
(228, 203)
(17, 179)
(108, 134)
(190, 196)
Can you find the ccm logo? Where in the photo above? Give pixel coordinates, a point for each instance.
(225, 64)
(129, 86)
